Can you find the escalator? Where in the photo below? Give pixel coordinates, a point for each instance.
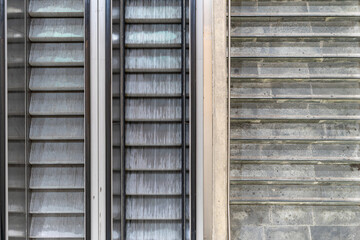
(49, 123)
(56, 109)
(150, 119)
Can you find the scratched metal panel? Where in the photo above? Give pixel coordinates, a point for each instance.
(294, 119)
(16, 105)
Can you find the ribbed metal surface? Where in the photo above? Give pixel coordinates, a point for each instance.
(153, 117)
(57, 166)
(16, 105)
(294, 119)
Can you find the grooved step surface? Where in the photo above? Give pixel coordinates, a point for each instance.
(56, 178)
(57, 153)
(57, 104)
(59, 30)
(57, 79)
(56, 54)
(56, 8)
(57, 227)
(57, 202)
(57, 129)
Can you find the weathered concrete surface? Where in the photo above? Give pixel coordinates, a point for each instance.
(294, 151)
(220, 120)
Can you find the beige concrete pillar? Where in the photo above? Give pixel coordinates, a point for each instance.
(215, 120)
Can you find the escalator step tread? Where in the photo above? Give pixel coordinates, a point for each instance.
(56, 79)
(56, 227)
(57, 129)
(49, 153)
(56, 29)
(56, 8)
(56, 54)
(57, 104)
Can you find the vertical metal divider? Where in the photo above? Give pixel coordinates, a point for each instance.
(27, 118)
(183, 104)
(3, 217)
(87, 122)
(192, 48)
(108, 117)
(228, 127)
(122, 121)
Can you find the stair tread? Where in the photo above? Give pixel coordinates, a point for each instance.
(56, 79)
(57, 153)
(57, 104)
(56, 54)
(53, 29)
(165, 9)
(56, 8)
(57, 129)
(57, 202)
(56, 227)
(56, 178)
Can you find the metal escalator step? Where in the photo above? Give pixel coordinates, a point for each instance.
(56, 8)
(56, 54)
(145, 230)
(143, 9)
(57, 129)
(51, 153)
(153, 183)
(57, 79)
(154, 109)
(57, 104)
(150, 134)
(152, 59)
(56, 178)
(56, 202)
(153, 208)
(56, 29)
(60, 227)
